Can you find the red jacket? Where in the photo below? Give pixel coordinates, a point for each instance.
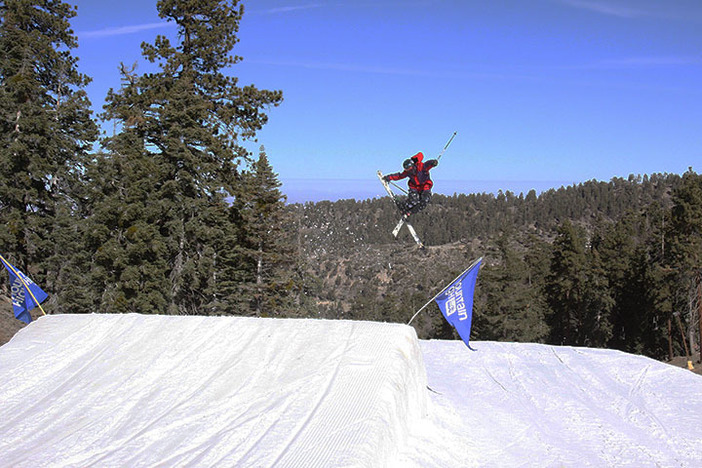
(418, 174)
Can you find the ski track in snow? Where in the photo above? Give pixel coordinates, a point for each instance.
(137, 390)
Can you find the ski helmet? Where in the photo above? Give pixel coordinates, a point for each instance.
(407, 163)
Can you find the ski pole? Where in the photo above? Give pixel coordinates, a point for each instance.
(447, 145)
(399, 188)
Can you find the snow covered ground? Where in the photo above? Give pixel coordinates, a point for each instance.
(135, 390)
(510, 404)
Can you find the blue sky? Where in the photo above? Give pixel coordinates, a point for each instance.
(542, 93)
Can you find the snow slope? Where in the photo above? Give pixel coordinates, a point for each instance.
(133, 390)
(510, 404)
(136, 390)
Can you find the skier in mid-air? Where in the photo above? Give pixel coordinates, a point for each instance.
(419, 183)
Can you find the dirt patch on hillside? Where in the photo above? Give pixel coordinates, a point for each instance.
(9, 325)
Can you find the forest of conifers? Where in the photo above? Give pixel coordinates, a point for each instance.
(172, 215)
(603, 264)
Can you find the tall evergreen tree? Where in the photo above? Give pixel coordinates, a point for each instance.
(268, 263)
(46, 131)
(686, 251)
(177, 152)
(513, 310)
(577, 292)
(629, 248)
(617, 245)
(598, 304)
(564, 284)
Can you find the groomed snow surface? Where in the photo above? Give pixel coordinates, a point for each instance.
(142, 390)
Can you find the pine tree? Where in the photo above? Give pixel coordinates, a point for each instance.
(266, 254)
(563, 284)
(618, 245)
(686, 223)
(177, 153)
(513, 309)
(598, 304)
(577, 292)
(657, 324)
(46, 133)
(128, 265)
(629, 248)
(686, 251)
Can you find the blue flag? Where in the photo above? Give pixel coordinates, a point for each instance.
(26, 295)
(456, 301)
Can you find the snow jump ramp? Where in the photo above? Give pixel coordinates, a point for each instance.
(141, 390)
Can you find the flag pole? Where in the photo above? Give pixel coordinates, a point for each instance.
(26, 287)
(447, 286)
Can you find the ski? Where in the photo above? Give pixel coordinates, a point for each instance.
(411, 230)
(402, 221)
(398, 227)
(395, 200)
(414, 235)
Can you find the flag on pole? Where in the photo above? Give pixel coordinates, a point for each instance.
(456, 301)
(26, 295)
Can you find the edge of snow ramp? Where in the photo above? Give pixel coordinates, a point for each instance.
(143, 390)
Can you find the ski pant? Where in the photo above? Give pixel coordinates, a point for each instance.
(416, 201)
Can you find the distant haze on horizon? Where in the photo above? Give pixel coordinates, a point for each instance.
(316, 190)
